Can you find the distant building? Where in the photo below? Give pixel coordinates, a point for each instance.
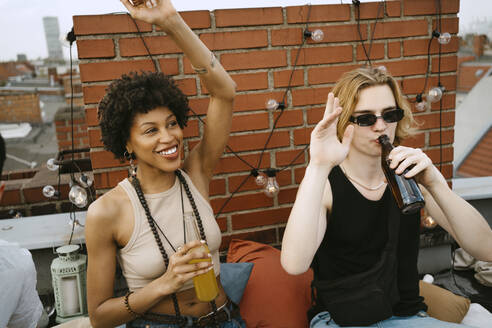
(52, 34)
(21, 57)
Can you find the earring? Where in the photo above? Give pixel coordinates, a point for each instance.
(133, 168)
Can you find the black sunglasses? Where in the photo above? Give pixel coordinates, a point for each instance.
(390, 116)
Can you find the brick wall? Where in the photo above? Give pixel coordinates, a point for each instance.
(18, 107)
(258, 47)
(63, 127)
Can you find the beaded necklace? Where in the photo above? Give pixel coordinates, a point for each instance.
(154, 226)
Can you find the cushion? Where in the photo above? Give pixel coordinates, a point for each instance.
(442, 304)
(272, 297)
(234, 277)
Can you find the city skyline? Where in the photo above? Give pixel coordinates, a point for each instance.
(29, 39)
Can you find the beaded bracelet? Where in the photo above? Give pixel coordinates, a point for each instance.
(128, 307)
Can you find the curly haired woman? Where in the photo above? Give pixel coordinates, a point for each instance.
(139, 223)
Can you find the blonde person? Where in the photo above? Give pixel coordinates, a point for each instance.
(142, 117)
(345, 223)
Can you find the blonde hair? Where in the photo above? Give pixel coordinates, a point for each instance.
(348, 89)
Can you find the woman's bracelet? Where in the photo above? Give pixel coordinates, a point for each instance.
(204, 70)
(128, 307)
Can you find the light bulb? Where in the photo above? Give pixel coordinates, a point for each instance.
(271, 188)
(49, 191)
(78, 196)
(316, 35)
(50, 164)
(261, 180)
(271, 104)
(420, 105)
(428, 222)
(444, 38)
(85, 181)
(383, 69)
(434, 94)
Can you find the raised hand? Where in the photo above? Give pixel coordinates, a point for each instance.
(180, 271)
(325, 148)
(151, 11)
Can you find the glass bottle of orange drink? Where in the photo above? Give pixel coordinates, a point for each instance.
(206, 287)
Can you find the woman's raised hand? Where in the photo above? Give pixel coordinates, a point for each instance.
(325, 148)
(151, 11)
(180, 270)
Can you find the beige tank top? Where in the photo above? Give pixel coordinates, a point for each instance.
(140, 259)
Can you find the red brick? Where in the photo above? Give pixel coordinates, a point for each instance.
(374, 52)
(235, 40)
(191, 130)
(251, 81)
(93, 93)
(405, 67)
(287, 195)
(449, 25)
(103, 48)
(341, 33)
(302, 136)
(169, 66)
(315, 114)
(217, 187)
(241, 202)
(435, 154)
(187, 86)
(309, 96)
(104, 159)
(299, 174)
(323, 55)
(448, 102)
(415, 141)
(281, 78)
(254, 59)
(248, 17)
(290, 118)
(290, 157)
(157, 45)
(399, 29)
(425, 7)
(106, 180)
(95, 138)
(196, 18)
(250, 122)
(105, 71)
(431, 121)
(260, 218)
(233, 164)
(420, 46)
(435, 137)
(267, 236)
(319, 13)
(199, 105)
(394, 49)
(415, 85)
(286, 37)
(253, 101)
(448, 64)
(107, 24)
(330, 74)
(222, 223)
(11, 197)
(369, 10)
(257, 141)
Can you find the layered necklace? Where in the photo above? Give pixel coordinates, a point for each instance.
(360, 183)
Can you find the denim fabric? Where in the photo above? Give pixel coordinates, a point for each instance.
(420, 320)
(236, 322)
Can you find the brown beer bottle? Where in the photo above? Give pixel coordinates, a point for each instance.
(406, 191)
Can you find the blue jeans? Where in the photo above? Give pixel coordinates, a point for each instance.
(236, 322)
(420, 320)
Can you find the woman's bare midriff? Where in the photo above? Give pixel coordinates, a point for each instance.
(188, 303)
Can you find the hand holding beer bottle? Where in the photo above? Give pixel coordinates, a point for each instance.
(206, 287)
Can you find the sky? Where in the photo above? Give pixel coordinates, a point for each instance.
(22, 25)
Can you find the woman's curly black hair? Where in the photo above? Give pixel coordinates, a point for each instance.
(137, 93)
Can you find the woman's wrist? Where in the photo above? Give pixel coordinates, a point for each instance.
(170, 22)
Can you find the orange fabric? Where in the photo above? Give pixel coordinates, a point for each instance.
(442, 304)
(272, 298)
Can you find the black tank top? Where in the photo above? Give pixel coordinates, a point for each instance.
(356, 233)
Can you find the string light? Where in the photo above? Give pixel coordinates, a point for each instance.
(50, 164)
(272, 104)
(316, 35)
(260, 178)
(434, 95)
(420, 104)
(383, 69)
(271, 187)
(78, 196)
(49, 191)
(428, 222)
(85, 181)
(442, 38)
